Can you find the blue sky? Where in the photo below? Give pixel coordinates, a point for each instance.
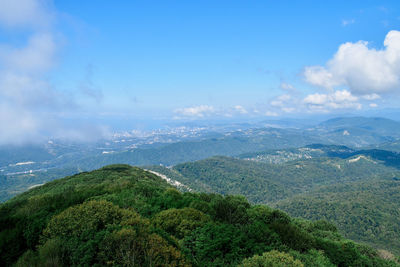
(183, 60)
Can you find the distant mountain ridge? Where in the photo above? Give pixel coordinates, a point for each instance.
(381, 125)
(54, 160)
(367, 130)
(389, 158)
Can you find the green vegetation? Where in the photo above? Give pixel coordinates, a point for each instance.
(368, 212)
(11, 185)
(358, 131)
(359, 194)
(272, 258)
(231, 144)
(268, 183)
(391, 146)
(388, 158)
(124, 216)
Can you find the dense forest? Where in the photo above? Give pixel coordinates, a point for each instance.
(364, 211)
(359, 194)
(124, 216)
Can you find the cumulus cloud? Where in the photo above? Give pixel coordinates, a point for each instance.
(240, 109)
(336, 100)
(316, 102)
(371, 97)
(364, 70)
(284, 103)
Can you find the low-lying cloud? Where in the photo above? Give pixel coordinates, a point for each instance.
(196, 111)
(30, 104)
(333, 101)
(205, 111)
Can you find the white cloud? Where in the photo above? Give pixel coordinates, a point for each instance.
(30, 93)
(336, 100)
(373, 105)
(362, 69)
(30, 106)
(240, 109)
(37, 56)
(18, 124)
(281, 100)
(196, 111)
(285, 103)
(288, 109)
(371, 97)
(286, 86)
(25, 95)
(320, 76)
(346, 22)
(25, 13)
(271, 114)
(204, 111)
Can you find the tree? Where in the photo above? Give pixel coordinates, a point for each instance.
(273, 258)
(180, 222)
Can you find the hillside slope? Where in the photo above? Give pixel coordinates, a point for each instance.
(366, 211)
(359, 193)
(121, 215)
(266, 183)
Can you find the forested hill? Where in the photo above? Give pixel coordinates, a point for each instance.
(360, 194)
(124, 216)
(267, 183)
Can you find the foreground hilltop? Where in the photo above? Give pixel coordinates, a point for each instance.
(125, 216)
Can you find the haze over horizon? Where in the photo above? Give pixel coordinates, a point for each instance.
(80, 70)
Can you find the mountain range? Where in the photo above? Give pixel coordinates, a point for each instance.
(30, 165)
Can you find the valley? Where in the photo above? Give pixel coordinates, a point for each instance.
(300, 171)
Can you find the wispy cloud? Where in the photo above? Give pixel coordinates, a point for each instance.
(240, 109)
(287, 87)
(37, 14)
(347, 22)
(371, 97)
(373, 105)
(205, 111)
(29, 102)
(196, 111)
(87, 86)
